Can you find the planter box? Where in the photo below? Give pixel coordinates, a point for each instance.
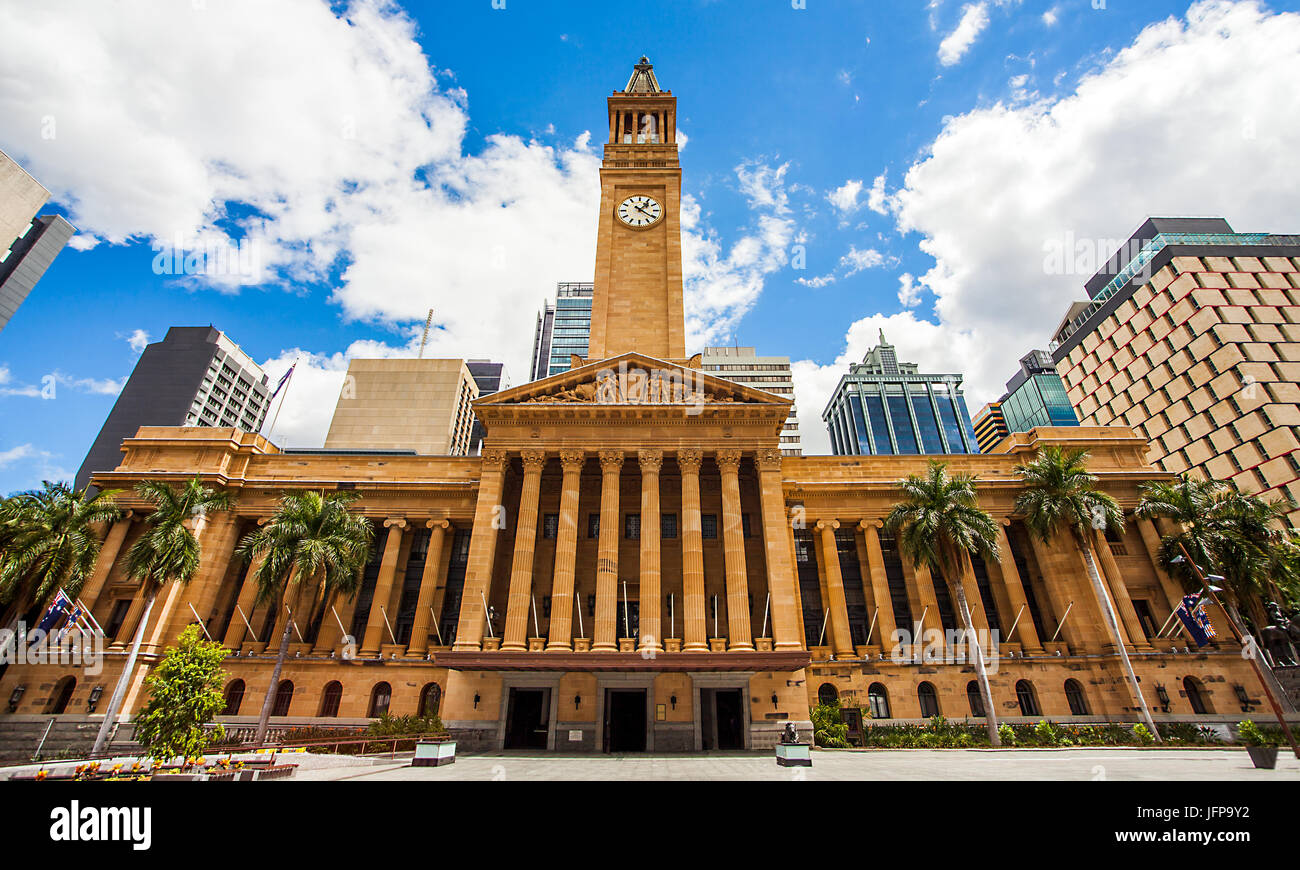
(582, 644)
(536, 644)
(434, 753)
(627, 644)
(1264, 757)
(869, 652)
(1052, 647)
(793, 755)
(717, 644)
(491, 643)
(672, 644)
(763, 644)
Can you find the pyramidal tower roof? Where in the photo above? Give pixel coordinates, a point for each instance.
(643, 79)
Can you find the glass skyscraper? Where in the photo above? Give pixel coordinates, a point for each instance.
(1036, 396)
(884, 407)
(563, 329)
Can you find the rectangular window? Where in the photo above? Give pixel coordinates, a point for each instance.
(668, 526)
(120, 608)
(709, 525)
(593, 525)
(632, 527)
(550, 526)
(745, 527)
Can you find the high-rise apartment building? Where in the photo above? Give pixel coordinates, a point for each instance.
(405, 404)
(770, 373)
(883, 406)
(1192, 337)
(563, 329)
(489, 377)
(28, 244)
(990, 426)
(195, 376)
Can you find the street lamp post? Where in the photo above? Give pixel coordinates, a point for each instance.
(1253, 655)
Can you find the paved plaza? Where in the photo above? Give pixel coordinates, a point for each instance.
(919, 764)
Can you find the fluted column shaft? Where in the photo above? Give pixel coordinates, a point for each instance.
(108, 552)
(693, 595)
(782, 584)
(1130, 626)
(1026, 634)
(875, 570)
(419, 643)
(566, 549)
(611, 466)
(482, 551)
(841, 638)
(237, 631)
(733, 533)
(651, 619)
(521, 569)
(376, 626)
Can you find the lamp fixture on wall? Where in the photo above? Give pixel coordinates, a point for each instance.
(92, 701)
(476, 700)
(16, 695)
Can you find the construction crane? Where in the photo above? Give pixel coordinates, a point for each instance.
(428, 322)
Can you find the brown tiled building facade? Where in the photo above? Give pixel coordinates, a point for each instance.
(632, 564)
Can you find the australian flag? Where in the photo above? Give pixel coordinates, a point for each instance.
(55, 613)
(1192, 614)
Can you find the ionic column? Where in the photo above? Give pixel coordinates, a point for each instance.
(521, 569)
(108, 552)
(1026, 634)
(217, 540)
(237, 631)
(693, 620)
(1130, 627)
(781, 583)
(375, 624)
(566, 549)
(841, 637)
(482, 551)
(650, 461)
(975, 601)
(611, 466)
(1057, 569)
(875, 570)
(734, 552)
(419, 644)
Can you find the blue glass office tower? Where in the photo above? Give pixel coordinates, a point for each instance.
(884, 407)
(1036, 396)
(563, 329)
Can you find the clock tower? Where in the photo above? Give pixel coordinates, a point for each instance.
(637, 302)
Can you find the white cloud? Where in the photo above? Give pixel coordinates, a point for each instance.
(1192, 118)
(909, 292)
(852, 263)
(877, 199)
(41, 465)
(22, 451)
(1051, 16)
(974, 18)
(138, 340)
(845, 197)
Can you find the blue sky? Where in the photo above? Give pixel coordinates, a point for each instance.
(383, 159)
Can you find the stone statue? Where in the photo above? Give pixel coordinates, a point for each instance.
(789, 736)
(1280, 636)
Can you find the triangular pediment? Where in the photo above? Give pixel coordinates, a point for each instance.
(632, 379)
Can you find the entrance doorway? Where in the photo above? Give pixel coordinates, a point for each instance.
(722, 719)
(527, 719)
(625, 720)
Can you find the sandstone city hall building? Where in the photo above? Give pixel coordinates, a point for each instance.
(631, 564)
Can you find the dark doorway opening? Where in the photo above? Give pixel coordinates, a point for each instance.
(527, 718)
(731, 718)
(625, 721)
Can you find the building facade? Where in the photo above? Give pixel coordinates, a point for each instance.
(28, 244)
(1035, 396)
(563, 330)
(489, 377)
(768, 373)
(884, 407)
(632, 564)
(990, 427)
(423, 405)
(195, 376)
(1190, 338)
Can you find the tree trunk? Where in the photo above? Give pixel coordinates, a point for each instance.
(1112, 624)
(119, 691)
(264, 718)
(990, 715)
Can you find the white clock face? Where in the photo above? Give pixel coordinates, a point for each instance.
(639, 211)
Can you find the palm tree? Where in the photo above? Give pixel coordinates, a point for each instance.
(311, 537)
(48, 542)
(168, 551)
(939, 524)
(1060, 494)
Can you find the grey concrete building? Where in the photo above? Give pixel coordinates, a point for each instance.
(28, 244)
(195, 376)
(771, 373)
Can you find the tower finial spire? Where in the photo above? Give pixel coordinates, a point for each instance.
(643, 79)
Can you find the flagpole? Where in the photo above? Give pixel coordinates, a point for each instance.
(292, 369)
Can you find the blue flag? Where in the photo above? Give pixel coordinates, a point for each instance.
(1192, 614)
(56, 611)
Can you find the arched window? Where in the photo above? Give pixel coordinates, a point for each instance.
(929, 700)
(975, 699)
(234, 697)
(878, 700)
(380, 697)
(283, 696)
(62, 695)
(329, 702)
(1196, 696)
(1027, 697)
(826, 694)
(430, 699)
(1078, 701)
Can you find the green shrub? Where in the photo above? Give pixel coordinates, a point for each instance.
(1007, 735)
(828, 730)
(184, 693)
(1252, 735)
(1143, 734)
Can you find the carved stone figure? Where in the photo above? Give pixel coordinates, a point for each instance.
(1278, 637)
(789, 735)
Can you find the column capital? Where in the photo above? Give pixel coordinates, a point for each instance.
(572, 459)
(534, 460)
(611, 460)
(690, 459)
(868, 524)
(728, 460)
(823, 525)
(495, 459)
(395, 522)
(768, 460)
(650, 460)
(443, 524)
